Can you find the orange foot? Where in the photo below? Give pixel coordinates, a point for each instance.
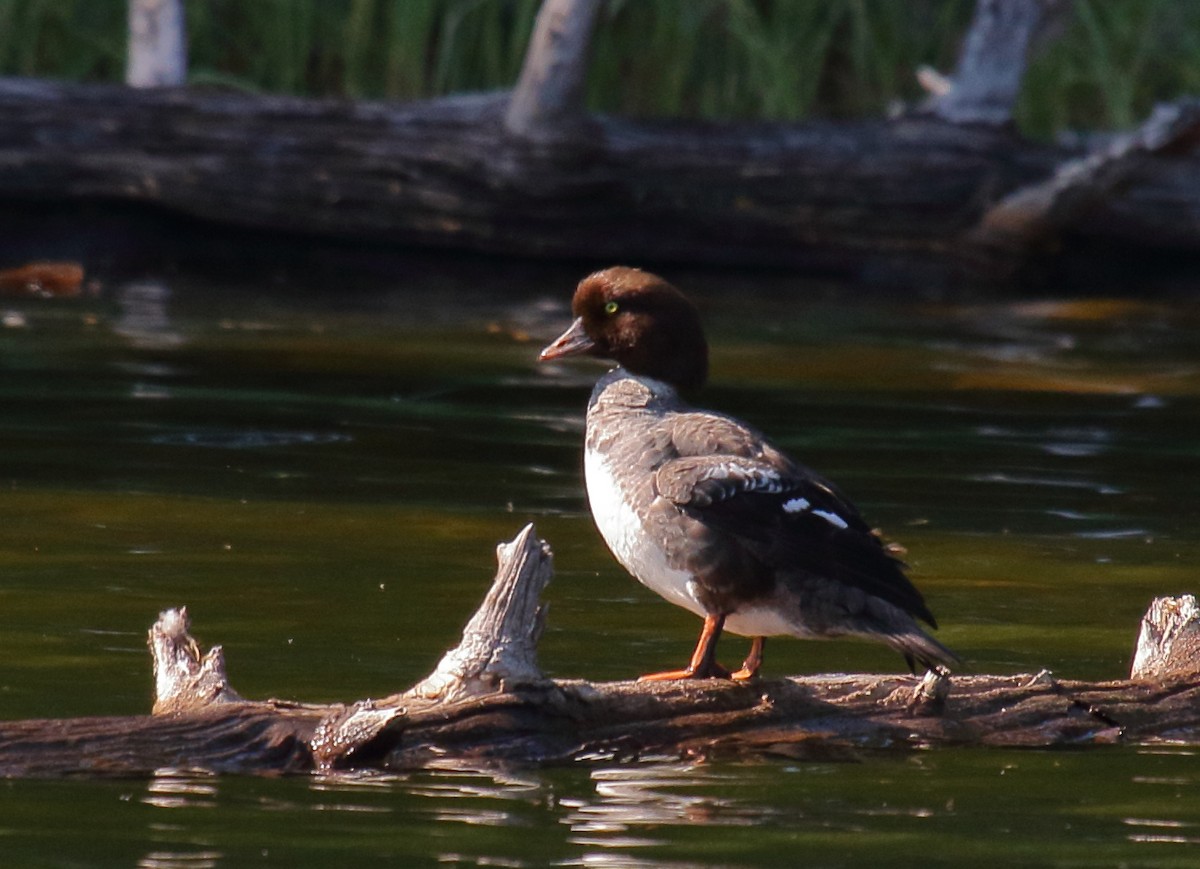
(713, 671)
(752, 663)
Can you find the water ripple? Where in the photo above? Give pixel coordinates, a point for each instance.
(243, 439)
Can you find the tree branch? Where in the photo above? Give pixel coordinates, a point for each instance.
(1034, 215)
(985, 86)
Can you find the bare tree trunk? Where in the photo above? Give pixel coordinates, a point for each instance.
(548, 100)
(157, 53)
(995, 52)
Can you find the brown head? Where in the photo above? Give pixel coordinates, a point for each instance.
(639, 321)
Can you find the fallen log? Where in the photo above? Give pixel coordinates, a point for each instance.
(856, 198)
(1039, 213)
(489, 699)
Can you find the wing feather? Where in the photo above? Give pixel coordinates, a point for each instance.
(788, 518)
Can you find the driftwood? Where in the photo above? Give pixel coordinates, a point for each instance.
(488, 699)
(947, 187)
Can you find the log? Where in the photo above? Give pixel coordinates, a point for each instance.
(488, 699)
(859, 198)
(1039, 213)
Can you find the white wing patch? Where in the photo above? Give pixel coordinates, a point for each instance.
(799, 505)
(832, 518)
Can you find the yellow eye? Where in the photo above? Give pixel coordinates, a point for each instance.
(610, 307)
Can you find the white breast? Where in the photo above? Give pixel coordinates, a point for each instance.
(622, 530)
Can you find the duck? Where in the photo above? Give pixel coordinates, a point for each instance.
(703, 510)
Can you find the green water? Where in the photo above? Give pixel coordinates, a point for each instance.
(321, 469)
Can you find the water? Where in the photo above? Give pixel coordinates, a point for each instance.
(320, 468)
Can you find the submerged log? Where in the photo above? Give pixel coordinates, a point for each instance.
(855, 197)
(489, 699)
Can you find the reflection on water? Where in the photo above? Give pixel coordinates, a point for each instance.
(180, 790)
(247, 440)
(631, 804)
(181, 860)
(323, 478)
(143, 319)
(647, 795)
(176, 789)
(1182, 827)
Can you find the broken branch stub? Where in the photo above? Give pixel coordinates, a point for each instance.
(1169, 641)
(499, 644)
(185, 681)
(1037, 213)
(985, 86)
(547, 102)
(157, 50)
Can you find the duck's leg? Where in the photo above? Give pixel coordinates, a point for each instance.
(753, 661)
(704, 659)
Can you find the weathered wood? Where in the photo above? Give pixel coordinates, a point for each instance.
(505, 708)
(157, 52)
(859, 198)
(1039, 213)
(985, 86)
(498, 651)
(547, 102)
(1169, 641)
(185, 680)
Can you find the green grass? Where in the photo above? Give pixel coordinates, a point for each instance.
(782, 59)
